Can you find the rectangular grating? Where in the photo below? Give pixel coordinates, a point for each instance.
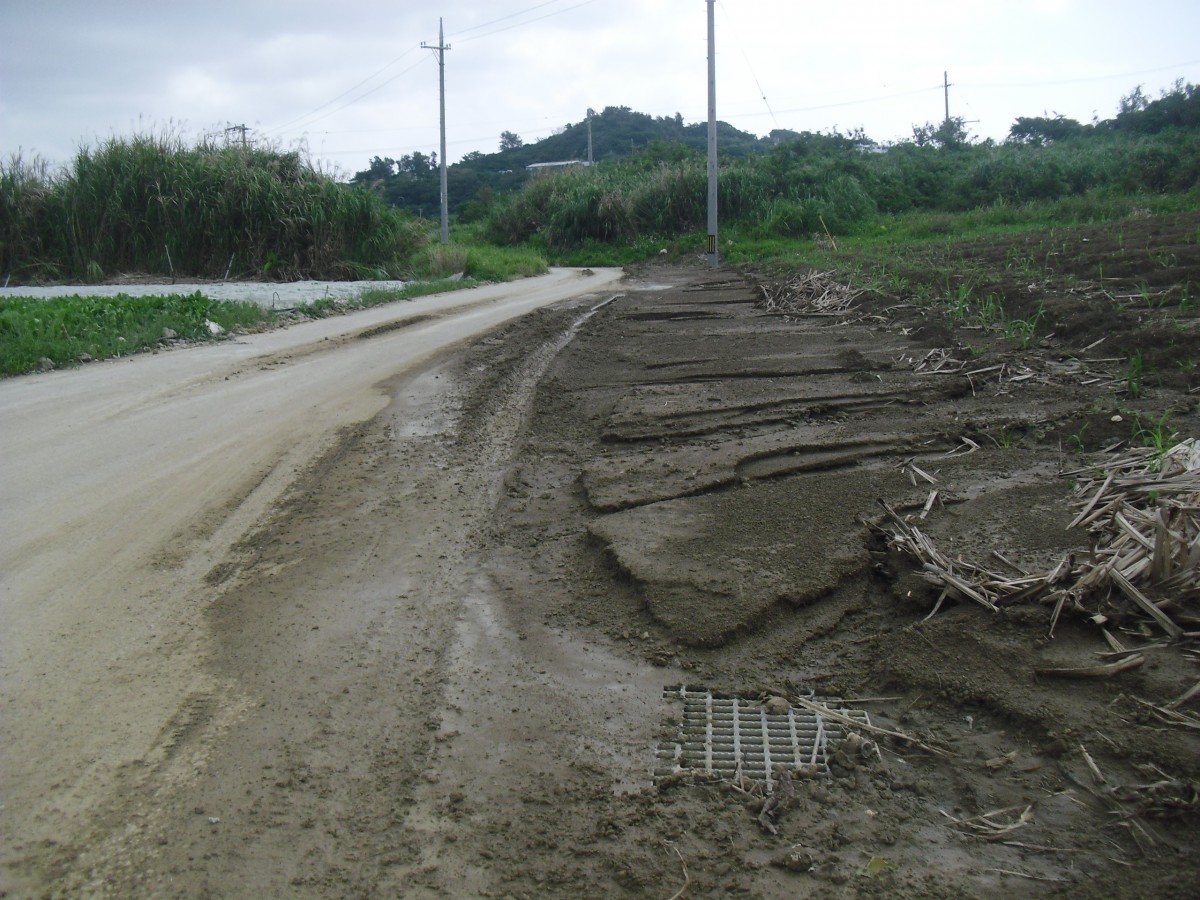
(729, 737)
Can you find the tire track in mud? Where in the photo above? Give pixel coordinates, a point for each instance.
(526, 705)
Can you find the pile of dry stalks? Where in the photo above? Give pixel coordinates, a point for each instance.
(1142, 514)
(810, 293)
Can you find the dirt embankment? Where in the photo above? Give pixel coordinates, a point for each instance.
(693, 486)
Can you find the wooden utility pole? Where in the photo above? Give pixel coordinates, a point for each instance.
(441, 49)
(712, 138)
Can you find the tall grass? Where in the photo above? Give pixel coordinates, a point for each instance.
(153, 204)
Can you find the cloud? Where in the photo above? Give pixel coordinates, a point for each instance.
(353, 82)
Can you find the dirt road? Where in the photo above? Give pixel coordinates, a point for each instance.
(460, 646)
(125, 486)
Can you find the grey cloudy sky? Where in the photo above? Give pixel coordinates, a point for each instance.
(350, 80)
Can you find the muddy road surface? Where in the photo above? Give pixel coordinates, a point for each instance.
(606, 603)
(130, 489)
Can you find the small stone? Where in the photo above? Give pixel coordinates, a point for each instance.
(796, 860)
(777, 706)
(169, 334)
(45, 364)
(1055, 748)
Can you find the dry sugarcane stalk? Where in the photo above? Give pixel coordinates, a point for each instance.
(1015, 874)
(1143, 514)
(1185, 696)
(1143, 603)
(983, 825)
(1106, 670)
(1097, 775)
(1171, 716)
(687, 879)
(822, 710)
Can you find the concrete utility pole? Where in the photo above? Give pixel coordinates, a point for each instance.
(241, 130)
(591, 112)
(441, 49)
(946, 91)
(712, 138)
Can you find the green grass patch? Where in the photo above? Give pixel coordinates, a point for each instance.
(74, 329)
(69, 330)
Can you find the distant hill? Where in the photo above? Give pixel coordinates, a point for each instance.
(618, 132)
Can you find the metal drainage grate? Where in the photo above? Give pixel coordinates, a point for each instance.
(731, 736)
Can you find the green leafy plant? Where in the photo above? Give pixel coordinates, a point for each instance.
(1076, 440)
(153, 203)
(958, 302)
(1156, 434)
(1023, 331)
(1133, 375)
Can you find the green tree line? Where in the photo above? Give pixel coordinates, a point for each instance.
(810, 183)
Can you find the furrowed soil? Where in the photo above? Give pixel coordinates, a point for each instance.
(451, 643)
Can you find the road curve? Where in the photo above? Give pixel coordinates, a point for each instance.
(125, 482)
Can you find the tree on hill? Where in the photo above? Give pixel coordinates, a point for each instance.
(950, 133)
(1044, 130)
(1176, 108)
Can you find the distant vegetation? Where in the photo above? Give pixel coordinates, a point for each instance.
(412, 181)
(898, 177)
(830, 185)
(153, 205)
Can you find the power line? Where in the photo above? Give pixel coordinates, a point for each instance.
(557, 12)
(800, 109)
(750, 67)
(503, 18)
(348, 90)
(1038, 84)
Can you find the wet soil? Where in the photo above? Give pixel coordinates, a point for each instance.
(448, 648)
(691, 490)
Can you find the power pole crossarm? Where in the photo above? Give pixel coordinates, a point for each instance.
(441, 49)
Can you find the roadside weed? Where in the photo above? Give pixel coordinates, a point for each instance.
(1076, 440)
(1157, 435)
(1003, 440)
(1022, 331)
